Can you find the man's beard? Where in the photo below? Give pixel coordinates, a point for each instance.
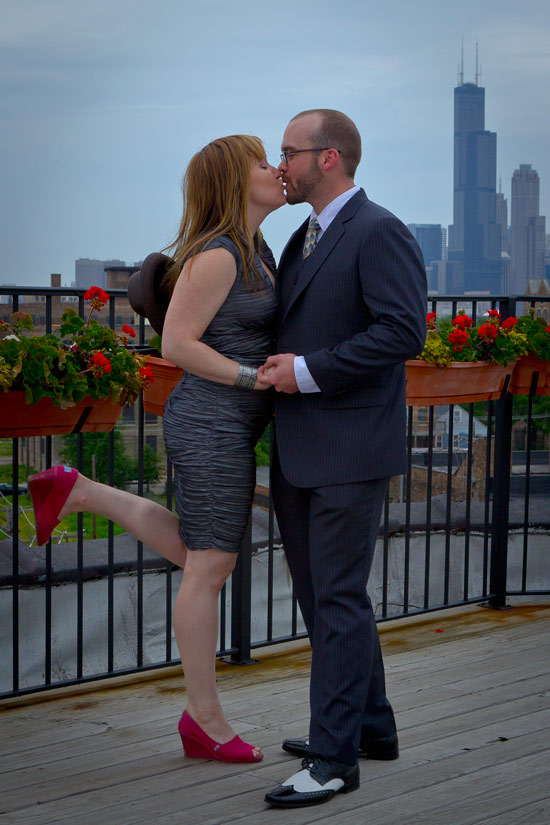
(304, 185)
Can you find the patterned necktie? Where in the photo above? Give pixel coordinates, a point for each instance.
(311, 237)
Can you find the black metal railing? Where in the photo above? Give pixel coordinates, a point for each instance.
(453, 533)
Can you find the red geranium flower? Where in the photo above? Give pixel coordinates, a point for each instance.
(96, 296)
(100, 365)
(146, 372)
(509, 322)
(547, 329)
(459, 339)
(96, 292)
(494, 313)
(488, 332)
(129, 330)
(430, 319)
(462, 321)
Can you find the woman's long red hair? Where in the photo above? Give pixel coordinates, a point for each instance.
(215, 202)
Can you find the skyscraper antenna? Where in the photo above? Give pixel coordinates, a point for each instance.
(461, 72)
(478, 73)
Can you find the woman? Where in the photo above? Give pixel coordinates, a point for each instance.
(219, 329)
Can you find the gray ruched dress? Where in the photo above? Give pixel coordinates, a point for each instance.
(210, 429)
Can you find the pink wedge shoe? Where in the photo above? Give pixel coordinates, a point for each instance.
(49, 492)
(198, 745)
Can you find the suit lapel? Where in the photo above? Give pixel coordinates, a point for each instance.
(291, 258)
(289, 267)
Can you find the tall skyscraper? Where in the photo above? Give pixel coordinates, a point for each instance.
(474, 236)
(527, 229)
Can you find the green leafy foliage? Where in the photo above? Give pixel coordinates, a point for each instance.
(537, 333)
(500, 342)
(262, 449)
(86, 359)
(436, 350)
(156, 343)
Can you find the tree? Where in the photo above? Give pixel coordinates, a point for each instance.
(125, 467)
(540, 411)
(151, 466)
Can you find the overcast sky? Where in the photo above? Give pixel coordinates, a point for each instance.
(104, 103)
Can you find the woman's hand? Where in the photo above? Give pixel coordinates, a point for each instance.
(263, 374)
(278, 370)
(261, 385)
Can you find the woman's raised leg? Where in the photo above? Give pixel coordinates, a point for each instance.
(148, 521)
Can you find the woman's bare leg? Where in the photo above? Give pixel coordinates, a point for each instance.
(196, 628)
(148, 521)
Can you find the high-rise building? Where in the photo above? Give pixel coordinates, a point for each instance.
(430, 239)
(475, 235)
(502, 220)
(527, 229)
(91, 272)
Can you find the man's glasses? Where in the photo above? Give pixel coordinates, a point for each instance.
(286, 155)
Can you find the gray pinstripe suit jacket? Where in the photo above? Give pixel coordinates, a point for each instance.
(356, 309)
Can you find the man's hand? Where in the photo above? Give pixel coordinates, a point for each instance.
(278, 371)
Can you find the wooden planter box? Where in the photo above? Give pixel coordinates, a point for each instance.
(167, 376)
(18, 419)
(522, 376)
(461, 383)
(102, 415)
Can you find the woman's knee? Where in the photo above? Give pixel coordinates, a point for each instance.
(209, 568)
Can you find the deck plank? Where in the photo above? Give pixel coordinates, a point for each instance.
(472, 709)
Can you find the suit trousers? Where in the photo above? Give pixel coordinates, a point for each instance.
(329, 536)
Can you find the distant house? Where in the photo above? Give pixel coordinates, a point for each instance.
(441, 428)
(540, 288)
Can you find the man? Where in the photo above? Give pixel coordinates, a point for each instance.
(352, 293)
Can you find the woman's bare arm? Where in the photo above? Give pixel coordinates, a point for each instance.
(200, 291)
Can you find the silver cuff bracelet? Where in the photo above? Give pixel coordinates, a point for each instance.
(246, 377)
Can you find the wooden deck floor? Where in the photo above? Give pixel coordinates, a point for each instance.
(472, 707)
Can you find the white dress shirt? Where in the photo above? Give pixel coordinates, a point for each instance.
(303, 376)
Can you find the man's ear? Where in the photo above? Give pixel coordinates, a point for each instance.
(330, 158)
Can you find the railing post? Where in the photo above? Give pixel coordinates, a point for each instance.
(15, 563)
(501, 488)
(241, 602)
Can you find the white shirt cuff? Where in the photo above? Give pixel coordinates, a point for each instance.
(303, 376)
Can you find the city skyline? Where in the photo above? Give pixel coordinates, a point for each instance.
(104, 108)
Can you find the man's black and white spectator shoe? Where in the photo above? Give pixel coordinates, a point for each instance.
(318, 781)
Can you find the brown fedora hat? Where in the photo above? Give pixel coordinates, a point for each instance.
(147, 294)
